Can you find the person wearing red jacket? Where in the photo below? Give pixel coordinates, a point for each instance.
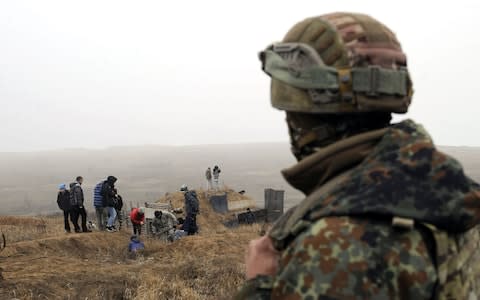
(137, 217)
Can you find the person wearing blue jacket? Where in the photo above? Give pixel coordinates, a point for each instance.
(100, 209)
(135, 246)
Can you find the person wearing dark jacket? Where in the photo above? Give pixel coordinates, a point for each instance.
(118, 209)
(63, 201)
(109, 200)
(250, 217)
(191, 210)
(216, 177)
(77, 202)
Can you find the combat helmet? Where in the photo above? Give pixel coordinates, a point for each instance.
(339, 62)
(331, 71)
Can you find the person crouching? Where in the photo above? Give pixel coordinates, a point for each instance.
(135, 247)
(137, 217)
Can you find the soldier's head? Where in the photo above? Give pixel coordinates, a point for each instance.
(184, 188)
(158, 214)
(336, 76)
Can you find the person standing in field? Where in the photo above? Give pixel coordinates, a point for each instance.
(216, 177)
(208, 176)
(108, 194)
(192, 209)
(77, 202)
(63, 201)
(100, 210)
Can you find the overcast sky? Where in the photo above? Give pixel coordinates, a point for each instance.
(103, 73)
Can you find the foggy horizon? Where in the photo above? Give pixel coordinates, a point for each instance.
(105, 148)
(93, 75)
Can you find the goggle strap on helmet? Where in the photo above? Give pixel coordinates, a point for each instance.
(374, 81)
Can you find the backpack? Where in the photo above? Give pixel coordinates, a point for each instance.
(118, 202)
(97, 195)
(63, 200)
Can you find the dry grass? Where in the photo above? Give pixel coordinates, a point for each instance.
(29, 228)
(54, 265)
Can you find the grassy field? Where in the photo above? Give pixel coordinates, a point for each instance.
(42, 262)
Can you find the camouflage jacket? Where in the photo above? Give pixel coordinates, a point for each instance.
(341, 243)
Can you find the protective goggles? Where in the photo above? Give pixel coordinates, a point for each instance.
(299, 65)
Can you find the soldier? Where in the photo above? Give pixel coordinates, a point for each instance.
(387, 216)
(192, 209)
(164, 225)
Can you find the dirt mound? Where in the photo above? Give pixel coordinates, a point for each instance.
(82, 246)
(208, 220)
(73, 265)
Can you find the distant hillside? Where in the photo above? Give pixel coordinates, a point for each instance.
(28, 181)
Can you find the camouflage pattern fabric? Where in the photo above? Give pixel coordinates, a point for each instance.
(162, 227)
(350, 258)
(345, 246)
(406, 176)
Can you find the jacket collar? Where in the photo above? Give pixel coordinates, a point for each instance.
(316, 169)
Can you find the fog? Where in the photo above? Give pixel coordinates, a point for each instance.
(93, 74)
(29, 181)
(81, 78)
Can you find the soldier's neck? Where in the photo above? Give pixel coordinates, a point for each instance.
(316, 169)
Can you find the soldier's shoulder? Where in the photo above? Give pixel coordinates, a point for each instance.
(345, 257)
